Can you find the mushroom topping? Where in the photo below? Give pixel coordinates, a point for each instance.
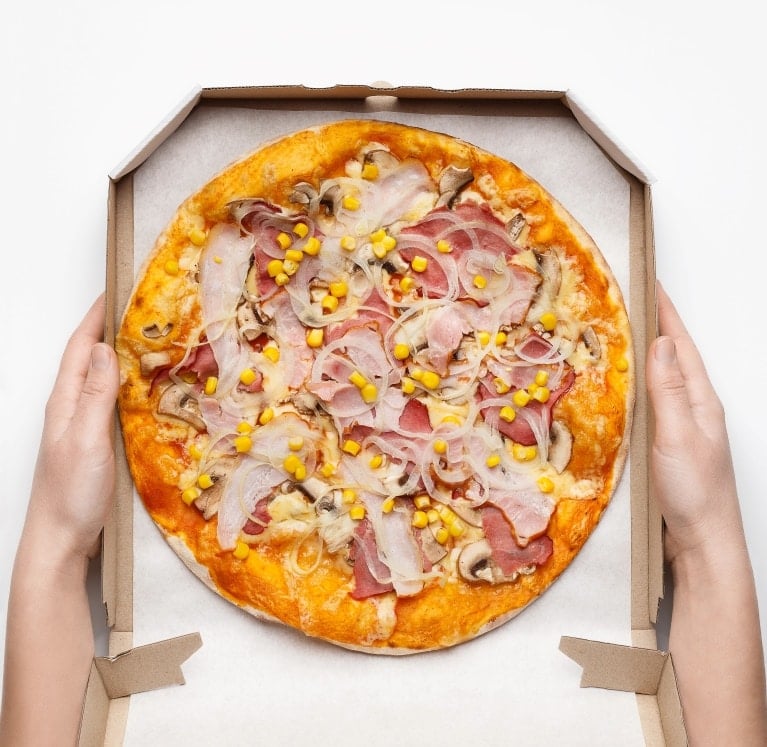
(329, 197)
(153, 331)
(432, 550)
(465, 510)
(247, 322)
(515, 226)
(328, 506)
(313, 488)
(475, 562)
(382, 158)
(451, 181)
(560, 446)
(591, 341)
(177, 403)
(551, 274)
(150, 362)
(211, 497)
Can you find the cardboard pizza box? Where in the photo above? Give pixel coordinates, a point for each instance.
(212, 127)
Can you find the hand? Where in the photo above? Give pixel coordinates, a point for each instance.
(73, 484)
(691, 464)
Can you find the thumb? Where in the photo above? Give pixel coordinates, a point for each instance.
(95, 407)
(667, 390)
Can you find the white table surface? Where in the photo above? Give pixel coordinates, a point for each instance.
(679, 85)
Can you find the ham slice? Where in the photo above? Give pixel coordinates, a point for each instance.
(506, 553)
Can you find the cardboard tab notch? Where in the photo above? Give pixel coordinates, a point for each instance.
(149, 667)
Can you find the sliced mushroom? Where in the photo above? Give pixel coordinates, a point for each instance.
(247, 323)
(551, 270)
(150, 362)
(329, 197)
(432, 550)
(451, 181)
(515, 226)
(382, 158)
(177, 403)
(153, 331)
(475, 562)
(313, 488)
(303, 193)
(211, 497)
(560, 446)
(466, 511)
(329, 505)
(591, 341)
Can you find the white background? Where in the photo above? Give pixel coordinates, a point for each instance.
(679, 84)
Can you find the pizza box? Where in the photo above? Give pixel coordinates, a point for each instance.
(585, 651)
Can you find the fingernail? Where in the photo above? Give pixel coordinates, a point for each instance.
(665, 350)
(99, 356)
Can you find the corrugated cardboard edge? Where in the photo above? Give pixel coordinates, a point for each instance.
(661, 717)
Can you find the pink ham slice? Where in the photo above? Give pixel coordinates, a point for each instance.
(506, 553)
(370, 573)
(526, 509)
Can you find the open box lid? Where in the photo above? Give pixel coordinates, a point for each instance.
(639, 668)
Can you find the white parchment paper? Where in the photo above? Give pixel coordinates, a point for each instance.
(261, 683)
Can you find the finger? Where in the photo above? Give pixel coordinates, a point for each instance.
(73, 368)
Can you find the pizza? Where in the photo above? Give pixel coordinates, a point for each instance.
(376, 385)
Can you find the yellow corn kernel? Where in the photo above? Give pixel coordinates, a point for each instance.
(389, 242)
(379, 250)
(442, 535)
(350, 202)
(197, 236)
(520, 397)
(519, 452)
(407, 385)
(440, 446)
(417, 374)
(284, 240)
(296, 443)
(195, 452)
(300, 230)
(532, 389)
(190, 495)
(266, 416)
(272, 353)
(508, 414)
(369, 171)
(432, 515)
(348, 495)
(545, 485)
(204, 481)
(294, 255)
(444, 247)
(388, 505)
(480, 281)
(300, 473)
(430, 379)
(500, 338)
(422, 501)
(247, 376)
(406, 284)
(401, 351)
(328, 469)
(244, 427)
(290, 463)
(420, 520)
(282, 278)
(500, 385)
(312, 246)
(483, 338)
(329, 303)
(542, 378)
(357, 512)
(349, 243)
(358, 379)
(447, 515)
(419, 263)
(241, 550)
(530, 453)
(314, 337)
(369, 393)
(452, 419)
(457, 528)
(289, 267)
(218, 260)
(243, 443)
(542, 394)
(210, 385)
(351, 447)
(378, 236)
(622, 365)
(171, 267)
(338, 288)
(549, 321)
(493, 460)
(376, 461)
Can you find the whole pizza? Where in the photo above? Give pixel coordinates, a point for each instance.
(376, 385)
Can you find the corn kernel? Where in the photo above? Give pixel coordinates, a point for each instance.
(542, 378)
(296, 443)
(266, 416)
(493, 460)
(447, 515)
(519, 452)
(369, 393)
(480, 281)
(300, 230)
(358, 379)
(407, 385)
(244, 427)
(312, 246)
(300, 473)
(376, 461)
(218, 260)
(430, 379)
(282, 278)
(190, 495)
(520, 397)
(530, 453)
(272, 353)
(290, 267)
(274, 267)
(243, 443)
(369, 171)
(622, 365)
(442, 535)
(417, 374)
(351, 447)
(388, 505)
(329, 303)
(357, 513)
(351, 203)
(314, 337)
(210, 385)
(349, 243)
(422, 501)
(348, 495)
(378, 236)
(294, 255)
(284, 240)
(507, 413)
(500, 385)
(197, 236)
(444, 247)
(241, 550)
(457, 528)
(419, 263)
(406, 284)
(328, 469)
(440, 446)
(420, 520)
(290, 463)
(195, 452)
(549, 321)
(338, 288)
(379, 250)
(247, 376)
(171, 267)
(432, 515)
(401, 351)
(545, 485)
(204, 481)
(500, 338)
(389, 242)
(452, 419)
(542, 394)
(483, 338)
